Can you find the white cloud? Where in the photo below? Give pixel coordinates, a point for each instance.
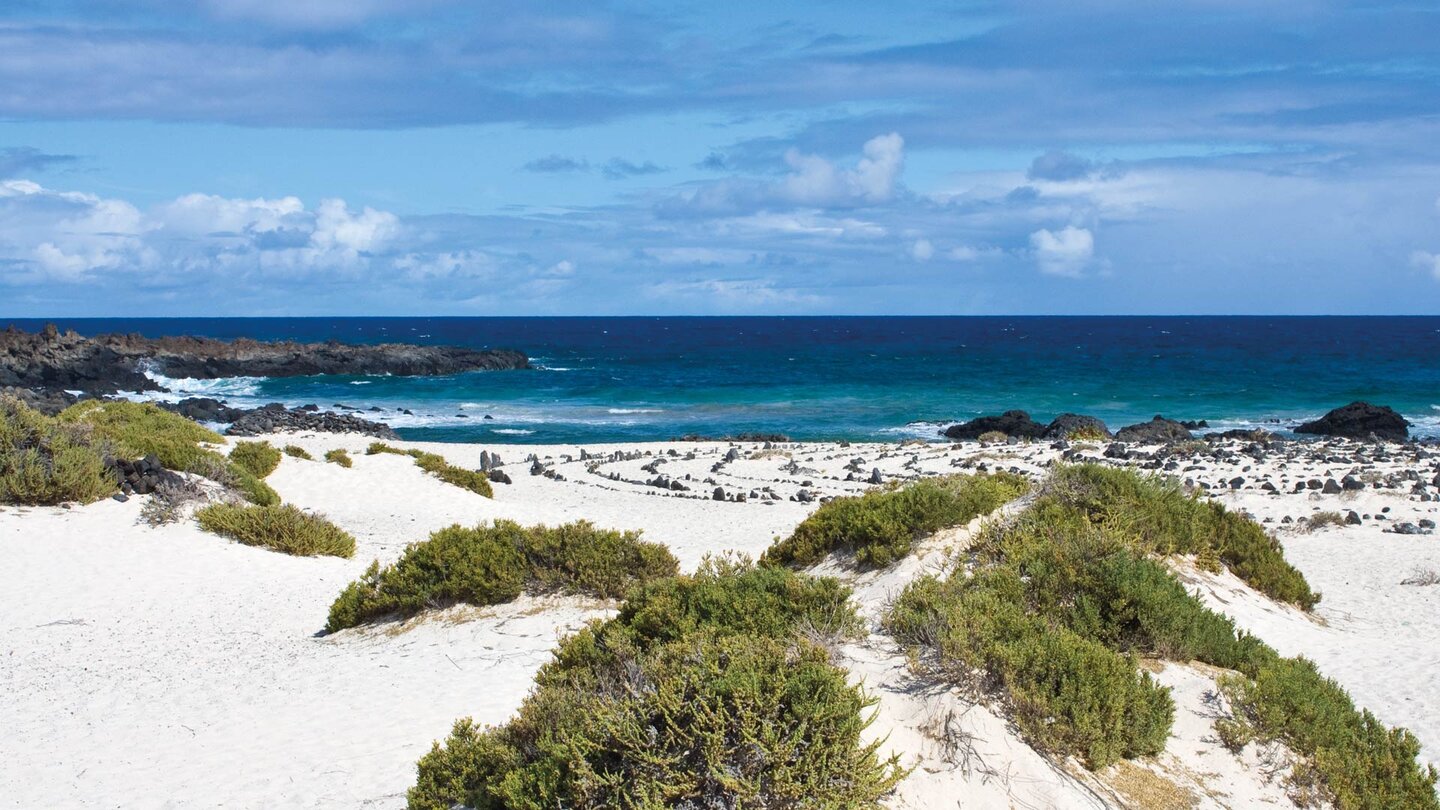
(69, 236)
(817, 181)
(447, 264)
(1427, 261)
(963, 253)
(1065, 252)
(922, 250)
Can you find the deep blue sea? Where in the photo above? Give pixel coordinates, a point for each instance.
(645, 378)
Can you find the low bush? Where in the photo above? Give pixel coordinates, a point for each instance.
(726, 596)
(489, 565)
(1157, 517)
(436, 465)
(338, 456)
(142, 429)
(992, 437)
(1350, 757)
(881, 526)
(286, 529)
(706, 722)
(1321, 520)
(376, 448)
(296, 451)
(134, 430)
(46, 462)
(169, 502)
(257, 458)
(1067, 693)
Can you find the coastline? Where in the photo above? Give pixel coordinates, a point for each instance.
(168, 662)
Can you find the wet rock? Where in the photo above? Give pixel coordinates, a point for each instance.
(1360, 420)
(1011, 423)
(1157, 431)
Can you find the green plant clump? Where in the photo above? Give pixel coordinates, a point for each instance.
(706, 722)
(488, 565)
(286, 529)
(46, 462)
(135, 429)
(296, 451)
(257, 458)
(143, 429)
(436, 465)
(1068, 694)
(881, 526)
(338, 456)
(1350, 758)
(699, 693)
(1159, 518)
(1050, 608)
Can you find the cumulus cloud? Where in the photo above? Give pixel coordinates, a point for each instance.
(811, 182)
(1065, 252)
(70, 236)
(449, 264)
(1427, 261)
(922, 250)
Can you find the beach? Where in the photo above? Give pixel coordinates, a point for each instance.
(168, 667)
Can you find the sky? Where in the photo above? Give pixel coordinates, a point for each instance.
(469, 157)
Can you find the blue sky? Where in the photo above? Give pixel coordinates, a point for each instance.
(311, 157)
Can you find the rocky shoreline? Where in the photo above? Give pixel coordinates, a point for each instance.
(51, 362)
(1358, 420)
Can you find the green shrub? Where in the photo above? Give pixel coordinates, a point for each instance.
(436, 465)
(295, 451)
(257, 458)
(143, 429)
(1356, 761)
(46, 462)
(726, 596)
(280, 528)
(473, 480)
(338, 456)
(1067, 693)
(706, 722)
(1097, 585)
(489, 565)
(1159, 518)
(881, 526)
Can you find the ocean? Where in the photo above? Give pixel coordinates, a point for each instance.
(858, 378)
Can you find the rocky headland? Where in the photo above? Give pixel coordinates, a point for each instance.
(51, 361)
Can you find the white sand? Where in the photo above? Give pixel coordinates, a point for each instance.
(170, 668)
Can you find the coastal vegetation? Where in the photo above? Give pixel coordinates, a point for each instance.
(134, 430)
(487, 565)
(473, 480)
(257, 458)
(296, 451)
(705, 691)
(1051, 610)
(338, 456)
(882, 525)
(47, 462)
(286, 529)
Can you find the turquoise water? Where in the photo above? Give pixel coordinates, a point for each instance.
(625, 379)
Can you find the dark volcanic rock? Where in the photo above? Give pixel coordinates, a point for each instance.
(1012, 423)
(1360, 420)
(48, 402)
(275, 418)
(204, 409)
(108, 363)
(1157, 431)
(141, 476)
(1068, 424)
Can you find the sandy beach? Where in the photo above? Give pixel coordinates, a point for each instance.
(167, 667)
